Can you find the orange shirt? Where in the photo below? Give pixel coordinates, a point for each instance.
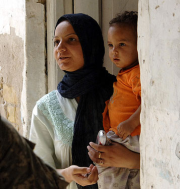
(125, 100)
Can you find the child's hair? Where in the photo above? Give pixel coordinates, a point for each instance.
(128, 18)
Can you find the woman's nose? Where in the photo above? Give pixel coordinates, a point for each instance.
(61, 46)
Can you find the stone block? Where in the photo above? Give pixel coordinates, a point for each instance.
(9, 95)
(11, 114)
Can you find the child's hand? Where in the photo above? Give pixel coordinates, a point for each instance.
(125, 128)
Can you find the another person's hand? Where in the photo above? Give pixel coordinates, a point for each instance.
(115, 155)
(125, 128)
(81, 175)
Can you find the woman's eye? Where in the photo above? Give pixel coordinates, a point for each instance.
(72, 39)
(56, 43)
(122, 44)
(110, 45)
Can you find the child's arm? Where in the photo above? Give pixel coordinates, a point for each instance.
(125, 128)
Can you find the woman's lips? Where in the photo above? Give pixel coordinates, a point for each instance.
(63, 58)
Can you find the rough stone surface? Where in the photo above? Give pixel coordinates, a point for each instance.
(34, 71)
(22, 63)
(11, 64)
(158, 47)
(9, 94)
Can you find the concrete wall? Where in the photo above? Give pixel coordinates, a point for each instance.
(12, 22)
(34, 70)
(23, 60)
(159, 47)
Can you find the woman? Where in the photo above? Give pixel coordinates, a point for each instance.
(67, 119)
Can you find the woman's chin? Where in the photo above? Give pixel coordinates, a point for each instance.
(63, 67)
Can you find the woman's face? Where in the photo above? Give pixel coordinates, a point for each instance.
(67, 48)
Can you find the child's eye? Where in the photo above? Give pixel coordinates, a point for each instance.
(122, 44)
(110, 45)
(56, 43)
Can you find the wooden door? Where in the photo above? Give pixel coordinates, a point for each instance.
(101, 10)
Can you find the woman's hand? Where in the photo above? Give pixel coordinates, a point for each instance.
(115, 155)
(81, 175)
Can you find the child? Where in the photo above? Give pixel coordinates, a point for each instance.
(121, 117)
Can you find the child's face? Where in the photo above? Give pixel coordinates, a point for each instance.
(122, 43)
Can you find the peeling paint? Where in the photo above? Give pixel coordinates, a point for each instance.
(163, 171)
(12, 15)
(11, 62)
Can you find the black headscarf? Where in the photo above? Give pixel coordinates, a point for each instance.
(92, 83)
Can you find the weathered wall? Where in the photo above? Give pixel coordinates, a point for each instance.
(12, 59)
(159, 47)
(34, 70)
(23, 60)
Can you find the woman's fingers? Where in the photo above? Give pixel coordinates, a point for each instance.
(85, 180)
(101, 148)
(93, 154)
(97, 147)
(91, 166)
(115, 155)
(80, 175)
(93, 177)
(109, 154)
(81, 170)
(97, 157)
